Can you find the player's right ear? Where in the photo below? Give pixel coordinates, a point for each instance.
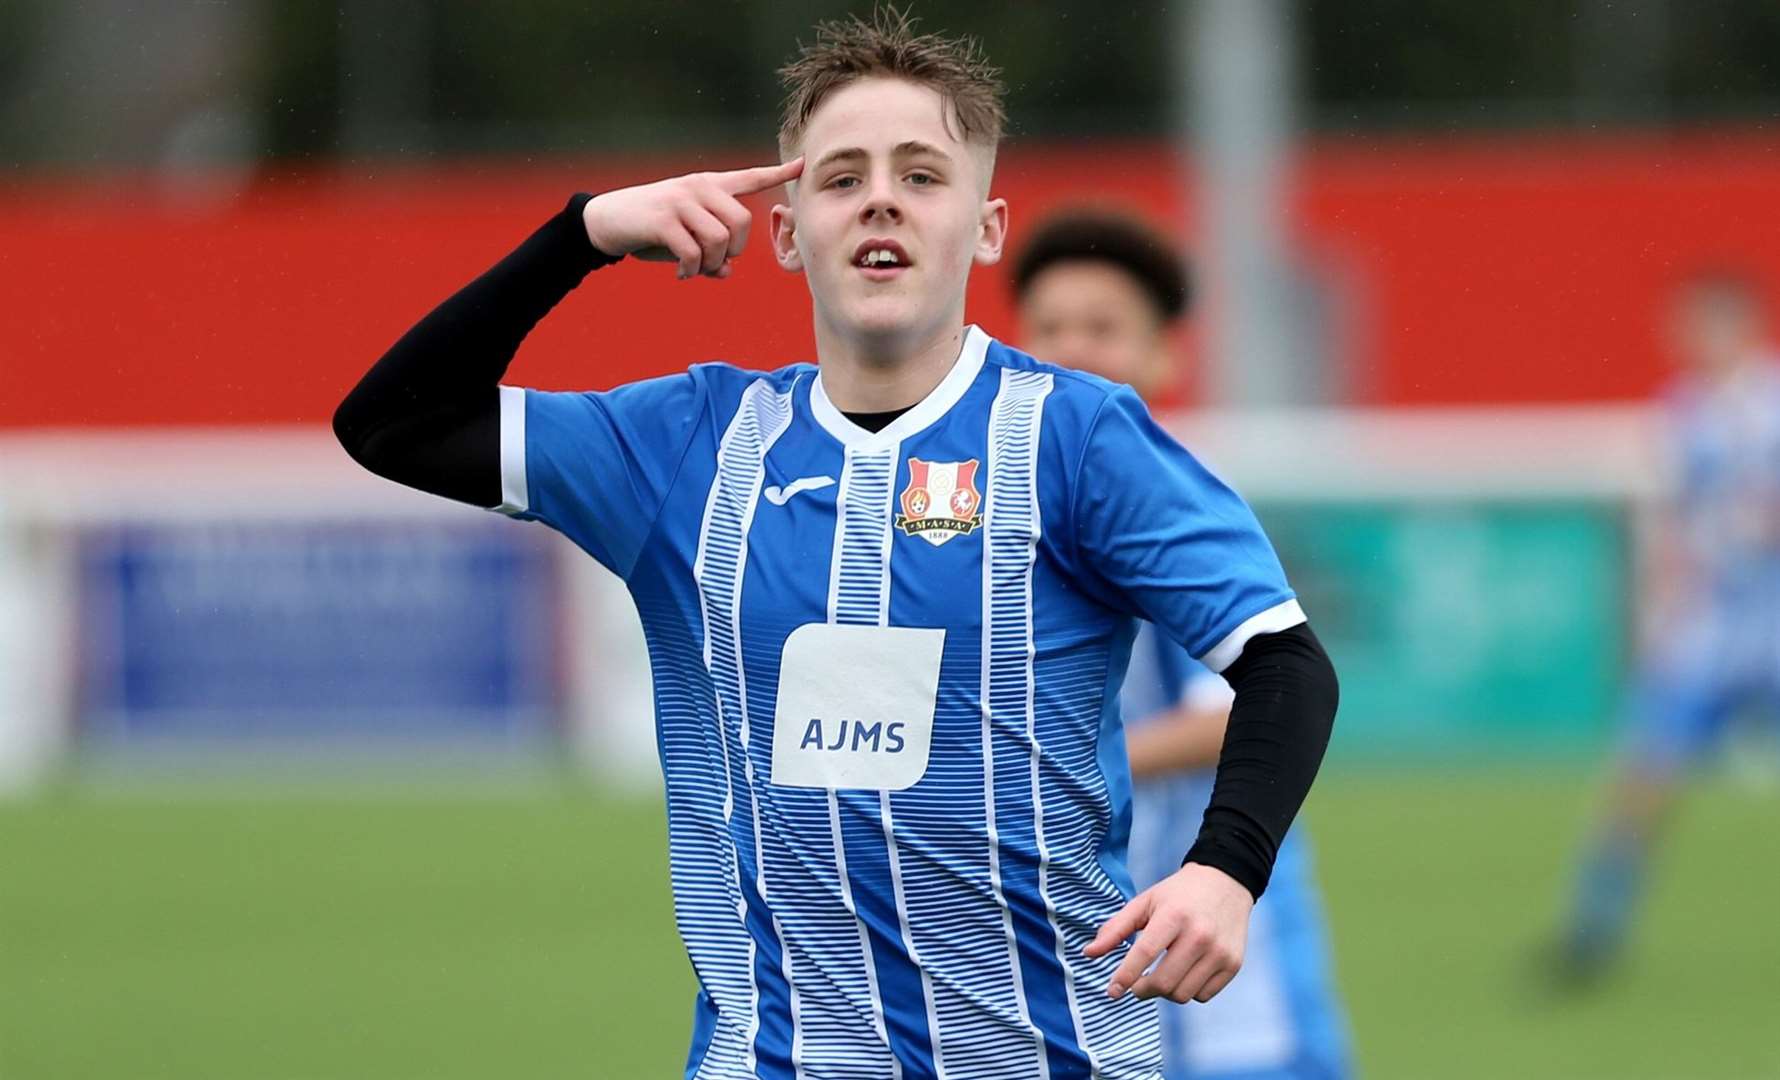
(785, 239)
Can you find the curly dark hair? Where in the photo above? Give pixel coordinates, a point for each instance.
(1109, 236)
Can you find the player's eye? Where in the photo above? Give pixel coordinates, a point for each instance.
(844, 182)
(922, 179)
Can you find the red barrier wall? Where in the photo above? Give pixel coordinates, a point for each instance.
(1474, 272)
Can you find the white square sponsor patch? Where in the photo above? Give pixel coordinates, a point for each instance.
(856, 706)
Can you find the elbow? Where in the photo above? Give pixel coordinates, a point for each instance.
(1331, 693)
(343, 432)
(1319, 673)
(347, 433)
(1322, 666)
(1290, 664)
(355, 434)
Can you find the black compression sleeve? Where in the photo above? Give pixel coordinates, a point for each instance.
(1286, 695)
(427, 414)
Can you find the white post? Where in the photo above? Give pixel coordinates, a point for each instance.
(1238, 59)
(37, 595)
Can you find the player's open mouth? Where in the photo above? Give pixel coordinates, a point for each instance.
(881, 259)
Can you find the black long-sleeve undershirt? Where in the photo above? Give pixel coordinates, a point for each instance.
(427, 415)
(1279, 727)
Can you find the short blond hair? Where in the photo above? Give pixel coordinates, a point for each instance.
(850, 49)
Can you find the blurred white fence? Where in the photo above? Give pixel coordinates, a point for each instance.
(59, 490)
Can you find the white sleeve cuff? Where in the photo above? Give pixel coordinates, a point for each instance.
(1272, 621)
(515, 499)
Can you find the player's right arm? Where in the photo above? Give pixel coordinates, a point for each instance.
(428, 413)
(1190, 736)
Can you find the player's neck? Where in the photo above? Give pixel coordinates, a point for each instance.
(870, 376)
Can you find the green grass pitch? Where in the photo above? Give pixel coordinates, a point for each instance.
(530, 934)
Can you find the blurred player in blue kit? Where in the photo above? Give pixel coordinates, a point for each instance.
(1711, 609)
(888, 598)
(1104, 292)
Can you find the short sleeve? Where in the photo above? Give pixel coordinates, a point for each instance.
(1172, 540)
(597, 466)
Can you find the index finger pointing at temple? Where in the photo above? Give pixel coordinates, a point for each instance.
(758, 179)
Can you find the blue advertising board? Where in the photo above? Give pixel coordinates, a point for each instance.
(241, 632)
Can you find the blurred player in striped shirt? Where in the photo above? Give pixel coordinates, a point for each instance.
(1106, 293)
(1711, 653)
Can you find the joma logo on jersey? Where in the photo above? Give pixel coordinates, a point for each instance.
(854, 735)
(941, 501)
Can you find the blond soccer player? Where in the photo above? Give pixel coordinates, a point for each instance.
(888, 598)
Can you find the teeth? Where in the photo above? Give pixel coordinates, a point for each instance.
(879, 256)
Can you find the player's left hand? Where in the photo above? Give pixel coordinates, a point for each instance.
(1195, 920)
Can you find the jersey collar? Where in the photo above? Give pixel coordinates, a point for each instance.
(925, 412)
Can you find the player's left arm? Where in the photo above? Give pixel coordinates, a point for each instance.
(1183, 550)
(1192, 926)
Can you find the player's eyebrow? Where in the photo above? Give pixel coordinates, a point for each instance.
(909, 148)
(846, 153)
(917, 148)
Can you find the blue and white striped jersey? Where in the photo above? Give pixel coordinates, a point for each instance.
(1728, 436)
(886, 673)
(1281, 1017)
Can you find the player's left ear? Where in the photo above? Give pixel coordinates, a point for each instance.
(991, 232)
(784, 222)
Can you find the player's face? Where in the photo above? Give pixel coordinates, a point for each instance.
(1094, 317)
(883, 172)
(1713, 332)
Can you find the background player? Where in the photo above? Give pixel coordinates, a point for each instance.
(1106, 293)
(1712, 607)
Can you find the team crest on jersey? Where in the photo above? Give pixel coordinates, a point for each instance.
(941, 501)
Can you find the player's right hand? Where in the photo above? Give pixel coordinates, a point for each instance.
(696, 220)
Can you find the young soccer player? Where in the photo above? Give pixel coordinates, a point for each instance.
(1106, 293)
(888, 600)
(1713, 607)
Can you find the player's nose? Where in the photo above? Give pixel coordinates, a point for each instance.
(880, 202)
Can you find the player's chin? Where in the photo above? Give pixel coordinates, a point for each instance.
(883, 315)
